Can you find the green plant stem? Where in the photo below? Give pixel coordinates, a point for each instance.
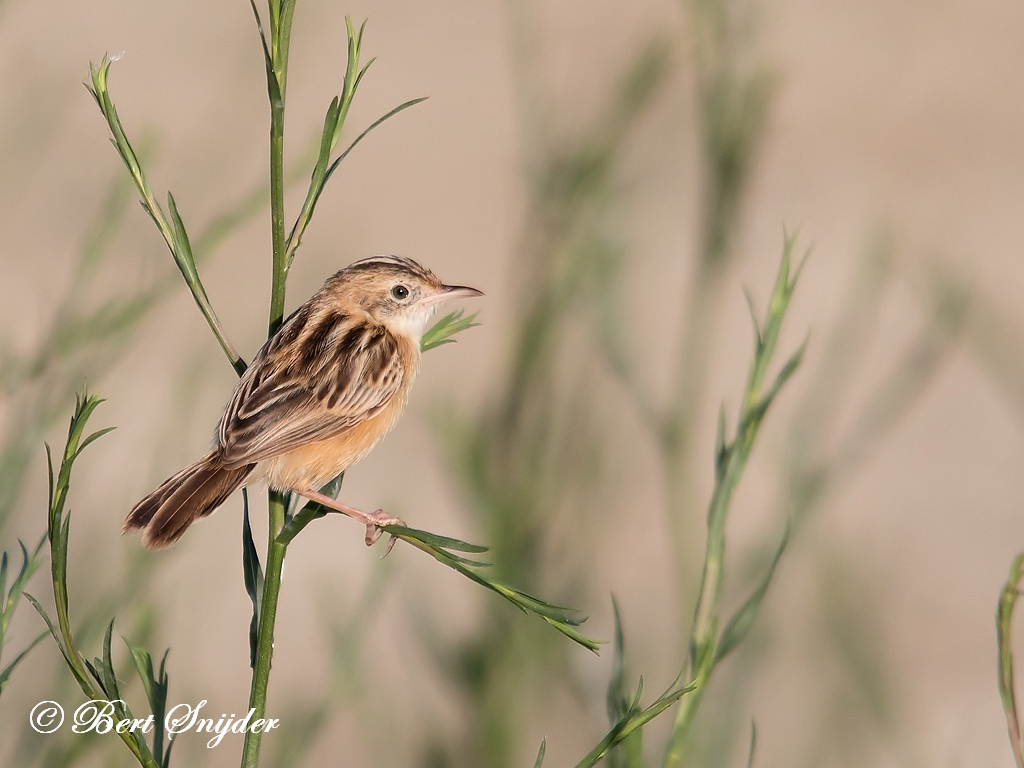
(677, 427)
(281, 13)
(704, 637)
(1004, 617)
(276, 551)
(707, 645)
(97, 681)
(280, 275)
(280, 33)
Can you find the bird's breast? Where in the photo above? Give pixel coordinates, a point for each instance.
(313, 465)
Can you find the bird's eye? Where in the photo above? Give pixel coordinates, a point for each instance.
(400, 292)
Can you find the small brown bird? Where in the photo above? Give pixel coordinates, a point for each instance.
(315, 400)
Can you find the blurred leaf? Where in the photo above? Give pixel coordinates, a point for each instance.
(617, 700)
(634, 719)
(628, 754)
(5, 673)
(1004, 618)
(29, 564)
(741, 622)
(758, 341)
(540, 753)
(706, 647)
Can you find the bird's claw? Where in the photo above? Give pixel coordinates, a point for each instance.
(379, 519)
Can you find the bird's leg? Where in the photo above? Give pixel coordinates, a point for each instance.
(372, 520)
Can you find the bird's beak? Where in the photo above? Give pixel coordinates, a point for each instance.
(460, 292)
(451, 292)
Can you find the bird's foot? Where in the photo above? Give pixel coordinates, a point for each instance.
(373, 521)
(377, 520)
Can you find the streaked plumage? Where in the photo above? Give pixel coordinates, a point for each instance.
(316, 398)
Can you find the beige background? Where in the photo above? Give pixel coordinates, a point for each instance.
(904, 114)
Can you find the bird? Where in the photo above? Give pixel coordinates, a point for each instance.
(323, 390)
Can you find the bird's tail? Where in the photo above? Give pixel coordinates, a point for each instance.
(193, 493)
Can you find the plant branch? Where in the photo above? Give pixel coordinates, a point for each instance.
(334, 122)
(173, 231)
(96, 678)
(9, 599)
(707, 646)
(444, 549)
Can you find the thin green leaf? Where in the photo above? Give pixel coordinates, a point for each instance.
(156, 693)
(29, 565)
(435, 540)
(49, 624)
(92, 438)
(1004, 624)
(630, 722)
(174, 235)
(787, 371)
(741, 622)
(556, 616)
(144, 666)
(758, 342)
(629, 753)
(364, 134)
(93, 666)
(444, 329)
(321, 177)
(3, 593)
(539, 762)
(107, 665)
(167, 755)
(359, 77)
(273, 86)
(721, 447)
(615, 700)
(253, 573)
(5, 674)
(49, 474)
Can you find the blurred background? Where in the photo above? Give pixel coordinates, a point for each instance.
(612, 175)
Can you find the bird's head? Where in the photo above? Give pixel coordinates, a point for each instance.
(396, 291)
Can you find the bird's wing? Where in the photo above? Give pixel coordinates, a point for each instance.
(317, 377)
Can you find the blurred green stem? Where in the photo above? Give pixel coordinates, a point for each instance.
(707, 645)
(677, 426)
(732, 101)
(1004, 619)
